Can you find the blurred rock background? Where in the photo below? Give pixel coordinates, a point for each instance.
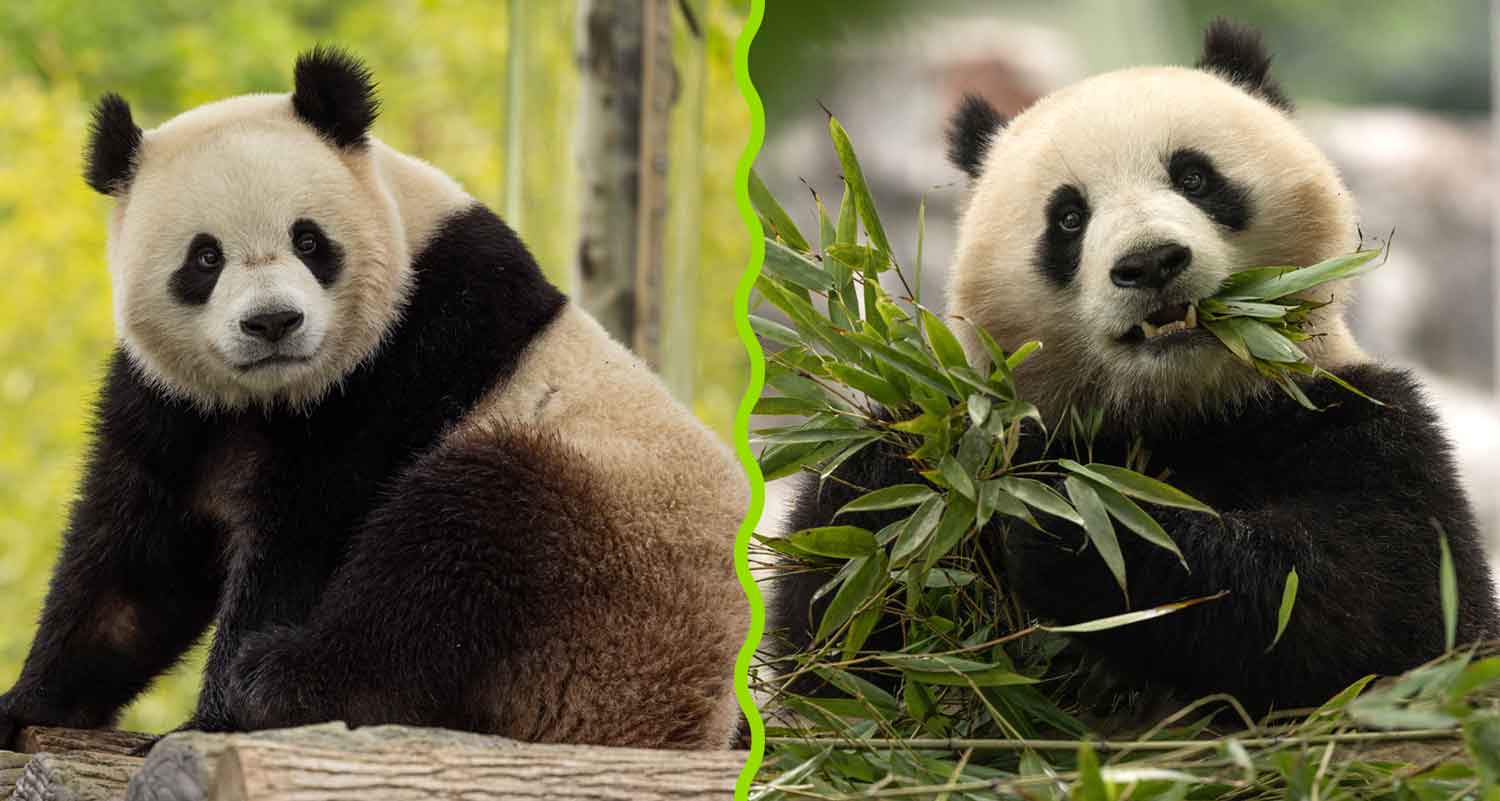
(1398, 95)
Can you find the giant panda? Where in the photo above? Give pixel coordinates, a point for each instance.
(1095, 219)
(351, 424)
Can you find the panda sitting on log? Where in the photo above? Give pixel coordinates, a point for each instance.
(1097, 218)
(350, 423)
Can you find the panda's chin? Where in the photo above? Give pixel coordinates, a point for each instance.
(274, 362)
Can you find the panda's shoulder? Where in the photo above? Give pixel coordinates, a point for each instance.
(1396, 430)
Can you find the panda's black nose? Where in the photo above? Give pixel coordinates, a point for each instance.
(1151, 268)
(271, 326)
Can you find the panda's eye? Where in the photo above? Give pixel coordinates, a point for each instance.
(1071, 221)
(1193, 181)
(307, 243)
(208, 258)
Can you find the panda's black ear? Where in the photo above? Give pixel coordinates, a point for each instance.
(335, 94)
(1235, 53)
(114, 142)
(971, 130)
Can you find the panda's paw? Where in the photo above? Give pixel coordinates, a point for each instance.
(275, 683)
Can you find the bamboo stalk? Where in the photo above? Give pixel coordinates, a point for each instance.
(960, 744)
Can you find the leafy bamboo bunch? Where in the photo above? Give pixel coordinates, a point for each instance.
(1262, 313)
(988, 702)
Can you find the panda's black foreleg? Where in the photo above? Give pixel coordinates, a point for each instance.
(139, 575)
(1368, 600)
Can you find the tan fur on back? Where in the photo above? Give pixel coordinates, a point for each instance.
(673, 496)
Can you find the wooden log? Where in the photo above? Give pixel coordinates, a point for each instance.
(70, 764)
(12, 765)
(39, 739)
(77, 776)
(254, 771)
(394, 763)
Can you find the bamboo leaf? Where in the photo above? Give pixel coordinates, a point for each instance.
(1247, 308)
(957, 520)
(953, 473)
(1290, 282)
(838, 542)
(818, 435)
(868, 578)
(1284, 614)
(1321, 373)
(780, 405)
(943, 342)
(954, 671)
(868, 383)
(1264, 342)
(854, 177)
(1039, 496)
(1131, 618)
(1135, 518)
(1100, 530)
(1230, 336)
(859, 631)
(993, 498)
(893, 497)
(1021, 354)
(979, 409)
(919, 527)
(1091, 785)
(786, 264)
(772, 212)
(779, 461)
(1138, 486)
(997, 677)
(1447, 588)
(774, 331)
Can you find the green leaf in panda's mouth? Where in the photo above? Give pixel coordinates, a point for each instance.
(1262, 313)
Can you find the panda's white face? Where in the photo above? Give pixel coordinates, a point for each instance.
(252, 261)
(1107, 209)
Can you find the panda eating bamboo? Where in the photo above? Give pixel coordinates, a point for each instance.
(1097, 219)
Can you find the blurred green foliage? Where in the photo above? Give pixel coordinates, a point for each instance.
(441, 68)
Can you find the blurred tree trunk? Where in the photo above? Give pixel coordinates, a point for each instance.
(684, 238)
(625, 97)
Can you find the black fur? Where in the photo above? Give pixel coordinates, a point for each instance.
(971, 130)
(114, 142)
(1223, 200)
(192, 283)
(326, 261)
(335, 94)
(1235, 53)
(138, 541)
(1059, 251)
(1346, 496)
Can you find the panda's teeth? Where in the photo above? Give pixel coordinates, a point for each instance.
(1191, 320)
(1148, 329)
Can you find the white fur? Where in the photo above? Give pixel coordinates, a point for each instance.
(1111, 135)
(243, 170)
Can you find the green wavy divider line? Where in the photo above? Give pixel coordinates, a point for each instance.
(752, 392)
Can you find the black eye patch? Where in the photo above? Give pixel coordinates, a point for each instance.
(322, 256)
(194, 281)
(1194, 177)
(1061, 245)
